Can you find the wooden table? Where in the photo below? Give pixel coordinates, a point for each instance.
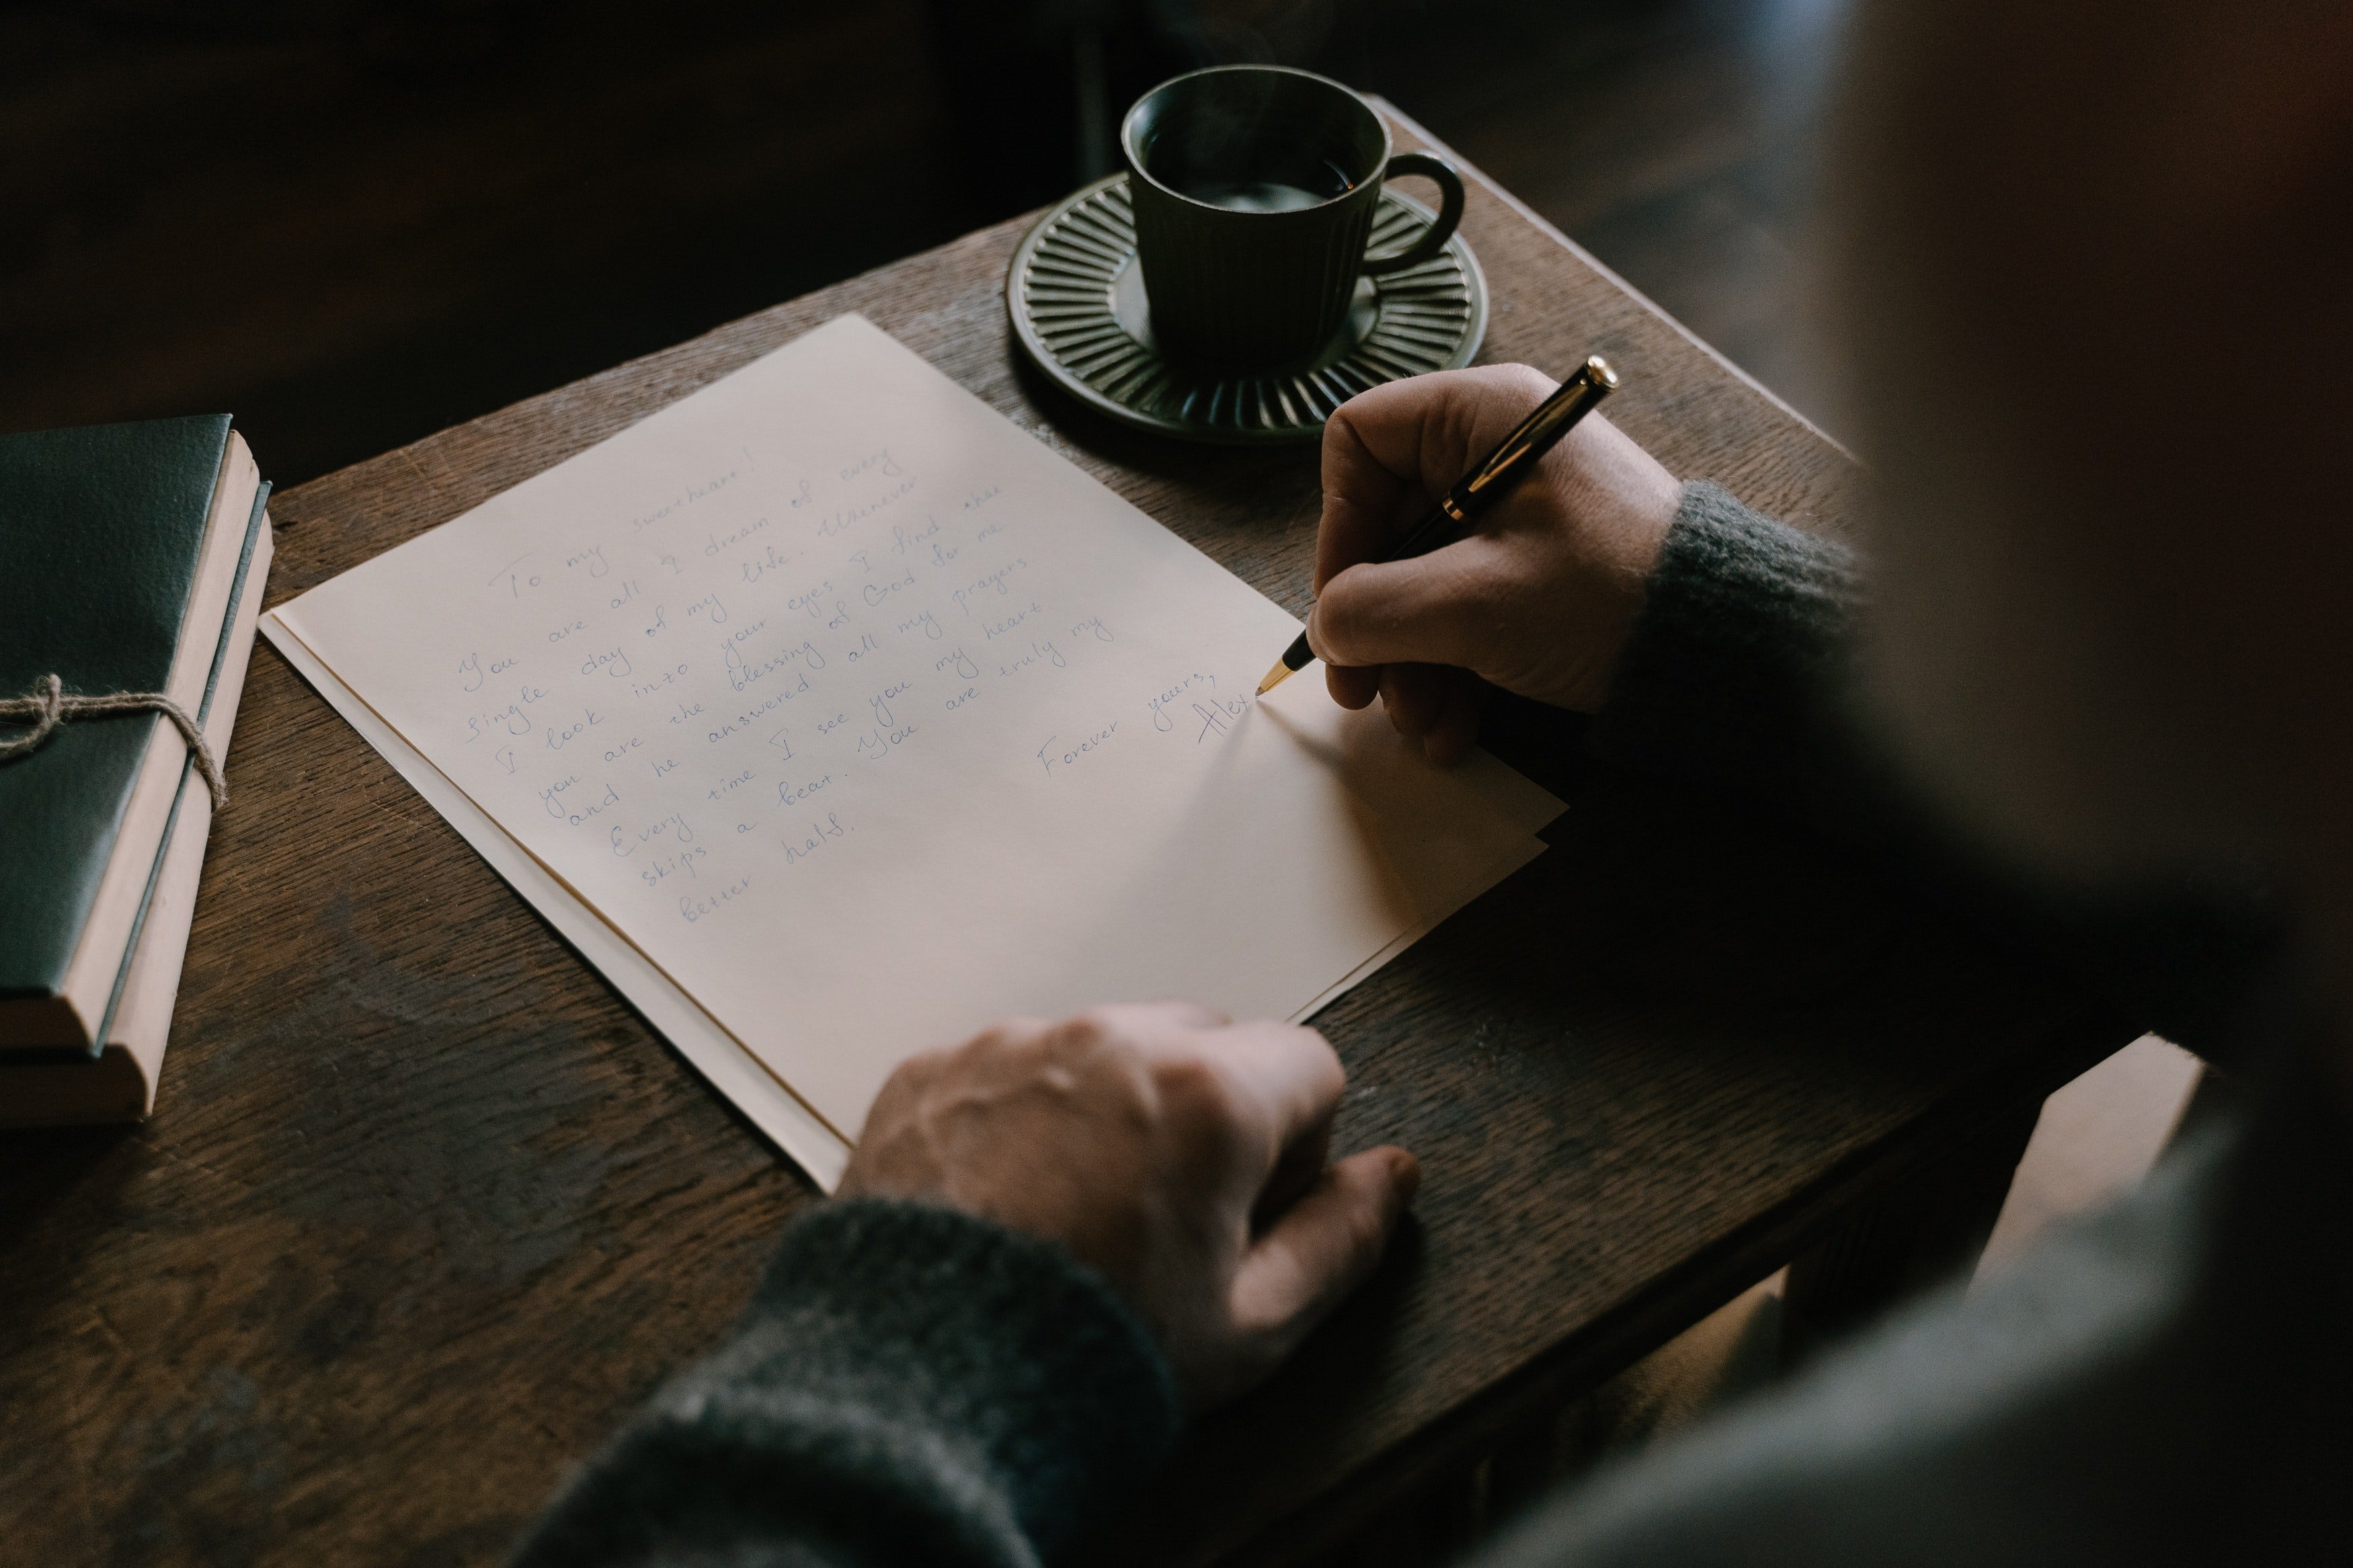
(426, 1210)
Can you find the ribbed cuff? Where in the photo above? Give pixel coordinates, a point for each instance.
(1733, 673)
(910, 1385)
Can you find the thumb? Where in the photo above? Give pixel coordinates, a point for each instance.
(1427, 610)
(1322, 1248)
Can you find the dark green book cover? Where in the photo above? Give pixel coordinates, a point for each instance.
(101, 530)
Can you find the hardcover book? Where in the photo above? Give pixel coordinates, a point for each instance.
(132, 561)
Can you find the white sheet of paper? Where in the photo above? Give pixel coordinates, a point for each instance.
(839, 717)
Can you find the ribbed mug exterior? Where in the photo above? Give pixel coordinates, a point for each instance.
(1247, 291)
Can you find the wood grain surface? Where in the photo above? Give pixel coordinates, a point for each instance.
(425, 1210)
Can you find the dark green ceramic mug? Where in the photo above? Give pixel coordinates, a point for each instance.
(1254, 189)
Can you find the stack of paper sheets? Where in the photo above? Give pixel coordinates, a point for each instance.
(833, 718)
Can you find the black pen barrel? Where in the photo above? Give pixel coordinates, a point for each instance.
(1512, 460)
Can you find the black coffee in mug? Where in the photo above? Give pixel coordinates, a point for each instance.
(1254, 189)
(1260, 195)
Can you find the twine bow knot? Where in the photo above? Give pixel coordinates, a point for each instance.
(49, 705)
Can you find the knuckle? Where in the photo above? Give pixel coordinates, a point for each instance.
(1101, 1045)
(1006, 1049)
(1389, 398)
(1126, 1030)
(1193, 1093)
(922, 1067)
(1004, 1032)
(997, 1039)
(1341, 431)
(1092, 1030)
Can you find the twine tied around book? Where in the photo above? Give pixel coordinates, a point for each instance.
(49, 705)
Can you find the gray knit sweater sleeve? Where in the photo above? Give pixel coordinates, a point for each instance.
(1735, 674)
(909, 1385)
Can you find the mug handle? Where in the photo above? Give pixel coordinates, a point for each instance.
(1449, 211)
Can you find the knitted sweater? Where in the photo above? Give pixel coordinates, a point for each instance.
(912, 1385)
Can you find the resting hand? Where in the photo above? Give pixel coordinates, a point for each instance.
(1182, 1157)
(1538, 600)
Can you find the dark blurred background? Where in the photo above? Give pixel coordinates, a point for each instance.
(352, 222)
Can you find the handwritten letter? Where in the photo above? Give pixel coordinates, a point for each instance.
(866, 720)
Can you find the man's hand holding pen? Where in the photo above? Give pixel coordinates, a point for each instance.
(1537, 598)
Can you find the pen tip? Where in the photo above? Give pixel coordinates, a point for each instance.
(1274, 678)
